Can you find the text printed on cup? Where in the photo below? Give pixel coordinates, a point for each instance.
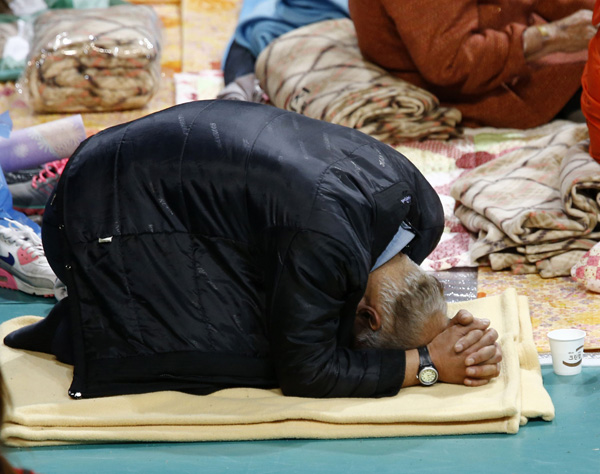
(575, 358)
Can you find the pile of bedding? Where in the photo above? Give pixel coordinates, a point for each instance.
(93, 60)
(318, 71)
(535, 209)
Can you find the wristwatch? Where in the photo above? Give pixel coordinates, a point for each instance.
(428, 374)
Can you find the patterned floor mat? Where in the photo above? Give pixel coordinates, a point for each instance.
(554, 303)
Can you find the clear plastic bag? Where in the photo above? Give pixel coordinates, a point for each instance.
(93, 60)
(15, 34)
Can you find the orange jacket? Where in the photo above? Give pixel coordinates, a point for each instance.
(590, 97)
(470, 54)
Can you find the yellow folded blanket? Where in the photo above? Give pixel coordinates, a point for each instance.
(43, 414)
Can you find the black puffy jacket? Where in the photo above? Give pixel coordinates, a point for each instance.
(219, 244)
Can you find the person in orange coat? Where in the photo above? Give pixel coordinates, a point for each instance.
(502, 63)
(590, 97)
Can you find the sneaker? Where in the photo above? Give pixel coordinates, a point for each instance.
(23, 264)
(19, 176)
(30, 197)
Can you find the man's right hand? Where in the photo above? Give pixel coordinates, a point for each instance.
(466, 352)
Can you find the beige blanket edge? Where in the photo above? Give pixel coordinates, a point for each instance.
(43, 414)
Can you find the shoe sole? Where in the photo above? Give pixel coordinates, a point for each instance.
(9, 282)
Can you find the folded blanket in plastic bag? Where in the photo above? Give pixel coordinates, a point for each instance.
(16, 29)
(93, 60)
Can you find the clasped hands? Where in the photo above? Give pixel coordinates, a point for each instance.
(466, 351)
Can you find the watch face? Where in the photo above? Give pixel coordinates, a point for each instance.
(428, 376)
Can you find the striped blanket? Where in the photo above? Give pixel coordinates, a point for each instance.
(318, 71)
(535, 209)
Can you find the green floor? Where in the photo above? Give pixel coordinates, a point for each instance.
(570, 443)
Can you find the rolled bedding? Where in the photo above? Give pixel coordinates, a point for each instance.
(319, 71)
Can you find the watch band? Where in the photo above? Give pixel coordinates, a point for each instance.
(424, 358)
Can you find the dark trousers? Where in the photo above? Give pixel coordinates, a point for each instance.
(239, 62)
(52, 334)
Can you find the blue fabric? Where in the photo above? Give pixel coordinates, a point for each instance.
(305, 12)
(398, 242)
(261, 21)
(5, 124)
(6, 208)
(6, 202)
(248, 6)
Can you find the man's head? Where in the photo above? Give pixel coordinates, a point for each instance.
(403, 307)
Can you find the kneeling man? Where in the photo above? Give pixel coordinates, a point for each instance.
(223, 244)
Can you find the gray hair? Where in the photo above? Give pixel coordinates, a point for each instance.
(408, 308)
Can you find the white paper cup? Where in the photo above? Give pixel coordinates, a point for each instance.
(566, 346)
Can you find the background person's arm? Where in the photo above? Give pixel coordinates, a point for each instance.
(449, 48)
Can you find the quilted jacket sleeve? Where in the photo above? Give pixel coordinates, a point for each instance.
(317, 275)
